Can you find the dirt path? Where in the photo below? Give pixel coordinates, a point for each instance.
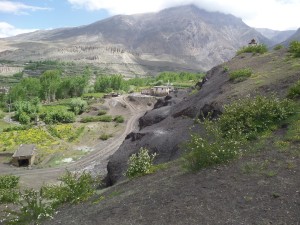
(96, 160)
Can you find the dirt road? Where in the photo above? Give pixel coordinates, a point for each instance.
(95, 161)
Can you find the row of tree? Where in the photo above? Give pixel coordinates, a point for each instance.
(49, 87)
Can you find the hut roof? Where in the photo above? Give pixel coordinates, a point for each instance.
(25, 150)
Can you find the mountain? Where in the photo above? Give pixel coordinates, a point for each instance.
(179, 38)
(275, 35)
(294, 37)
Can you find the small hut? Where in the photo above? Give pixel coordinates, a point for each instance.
(25, 155)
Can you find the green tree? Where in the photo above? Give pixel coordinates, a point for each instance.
(50, 81)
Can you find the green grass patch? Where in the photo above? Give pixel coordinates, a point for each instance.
(294, 48)
(103, 118)
(261, 49)
(240, 75)
(294, 91)
(105, 136)
(93, 95)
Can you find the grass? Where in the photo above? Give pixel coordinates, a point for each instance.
(261, 48)
(240, 75)
(3, 125)
(93, 95)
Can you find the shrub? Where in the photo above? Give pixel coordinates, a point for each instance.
(294, 48)
(294, 91)
(75, 187)
(240, 75)
(119, 119)
(249, 117)
(32, 209)
(105, 136)
(211, 149)
(103, 118)
(101, 112)
(1, 114)
(261, 48)
(58, 116)
(24, 118)
(78, 106)
(278, 47)
(8, 188)
(139, 164)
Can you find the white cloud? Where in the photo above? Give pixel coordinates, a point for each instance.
(274, 14)
(18, 7)
(7, 30)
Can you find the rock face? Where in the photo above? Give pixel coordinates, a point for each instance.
(165, 129)
(180, 38)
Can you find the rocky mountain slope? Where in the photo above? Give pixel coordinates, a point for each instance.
(275, 35)
(294, 37)
(180, 38)
(261, 187)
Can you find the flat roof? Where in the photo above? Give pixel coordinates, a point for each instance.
(25, 150)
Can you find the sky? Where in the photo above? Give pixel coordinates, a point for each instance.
(22, 16)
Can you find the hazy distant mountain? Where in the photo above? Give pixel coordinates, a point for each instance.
(275, 35)
(179, 38)
(294, 37)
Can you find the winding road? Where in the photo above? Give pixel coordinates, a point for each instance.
(98, 159)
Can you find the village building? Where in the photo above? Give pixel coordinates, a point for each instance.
(157, 91)
(24, 156)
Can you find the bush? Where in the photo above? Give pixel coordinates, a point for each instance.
(211, 149)
(103, 118)
(119, 119)
(240, 75)
(32, 209)
(8, 188)
(78, 105)
(105, 136)
(242, 120)
(139, 164)
(74, 188)
(261, 48)
(294, 48)
(1, 114)
(101, 112)
(248, 117)
(24, 118)
(294, 91)
(278, 47)
(58, 116)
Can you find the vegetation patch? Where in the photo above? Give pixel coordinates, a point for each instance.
(240, 75)
(140, 164)
(261, 49)
(32, 207)
(294, 91)
(105, 136)
(9, 192)
(103, 118)
(66, 132)
(294, 48)
(119, 119)
(241, 121)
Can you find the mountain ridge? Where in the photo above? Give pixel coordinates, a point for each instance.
(185, 36)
